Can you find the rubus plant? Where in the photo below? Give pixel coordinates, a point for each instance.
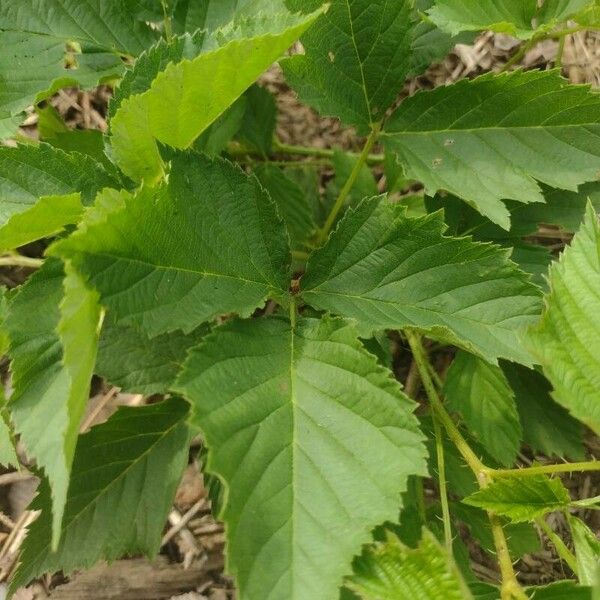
(190, 255)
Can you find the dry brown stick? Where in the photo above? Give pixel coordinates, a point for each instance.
(98, 409)
(182, 522)
(15, 476)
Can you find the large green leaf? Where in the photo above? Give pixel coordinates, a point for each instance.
(480, 393)
(391, 571)
(53, 357)
(560, 590)
(567, 339)
(355, 60)
(168, 112)
(124, 477)
(211, 243)
(547, 427)
(520, 18)
(389, 271)
(297, 422)
(491, 138)
(521, 498)
(42, 189)
(587, 552)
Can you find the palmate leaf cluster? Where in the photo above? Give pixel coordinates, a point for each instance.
(167, 237)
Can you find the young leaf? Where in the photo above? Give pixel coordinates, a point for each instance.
(168, 111)
(567, 339)
(521, 498)
(480, 393)
(389, 271)
(587, 552)
(547, 427)
(260, 119)
(53, 357)
(518, 18)
(393, 571)
(211, 244)
(491, 138)
(124, 477)
(297, 422)
(356, 59)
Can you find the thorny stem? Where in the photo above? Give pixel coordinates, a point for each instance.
(439, 447)
(326, 153)
(560, 546)
(347, 188)
(17, 260)
(559, 53)
(167, 20)
(511, 588)
(592, 465)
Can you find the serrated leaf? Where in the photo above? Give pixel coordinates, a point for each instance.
(137, 364)
(42, 189)
(521, 498)
(480, 393)
(390, 271)
(260, 119)
(296, 421)
(214, 139)
(534, 260)
(8, 454)
(53, 358)
(355, 60)
(212, 244)
(547, 427)
(124, 477)
(567, 339)
(291, 202)
(518, 18)
(168, 112)
(392, 571)
(587, 553)
(490, 139)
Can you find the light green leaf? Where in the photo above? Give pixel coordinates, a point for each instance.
(589, 16)
(124, 477)
(168, 111)
(291, 202)
(491, 138)
(391, 571)
(297, 422)
(53, 357)
(389, 271)
(8, 454)
(480, 393)
(547, 427)
(519, 18)
(566, 341)
(212, 244)
(587, 552)
(521, 498)
(355, 60)
(260, 119)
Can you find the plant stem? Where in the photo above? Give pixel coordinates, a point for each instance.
(347, 188)
(17, 260)
(520, 54)
(300, 256)
(560, 546)
(593, 465)
(560, 52)
(281, 148)
(441, 465)
(167, 20)
(510, 586)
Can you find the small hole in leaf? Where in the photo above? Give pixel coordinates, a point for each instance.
(331, 56)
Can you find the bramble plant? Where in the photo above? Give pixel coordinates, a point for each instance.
(166, 238)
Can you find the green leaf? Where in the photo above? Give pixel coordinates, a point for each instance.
(53, 358)
(168, 112)
(491, 138)
(560, 590)
(297, 422)
(291, 202)
(356, 59)
(260, 119)
(587, 552)
(547, 427)
(129, 359)
(41, 191)
(392, 571)
(534, 260)
(389, 271)
(364, 187)
(566, 341)
(8, 454)
(124, 477)
(214, 139)
(480, 393)
(519, 18)
(211, 244)
(521, 498)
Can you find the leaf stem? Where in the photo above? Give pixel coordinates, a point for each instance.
(347, 188)
(326, 153)
(560, 546)
(441, 466)
(592, 465)
(167, 21)
(17, 260)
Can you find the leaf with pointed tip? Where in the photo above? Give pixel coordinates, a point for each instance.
(296, 421)
(390, 271)
(211, 244)
(393, 571)
(356, 59)
(587, 552)
(124, 477)
(168, 113)
(521, 498)
(567, 339)
(53, 358)
(490, 139)
(480, 393)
